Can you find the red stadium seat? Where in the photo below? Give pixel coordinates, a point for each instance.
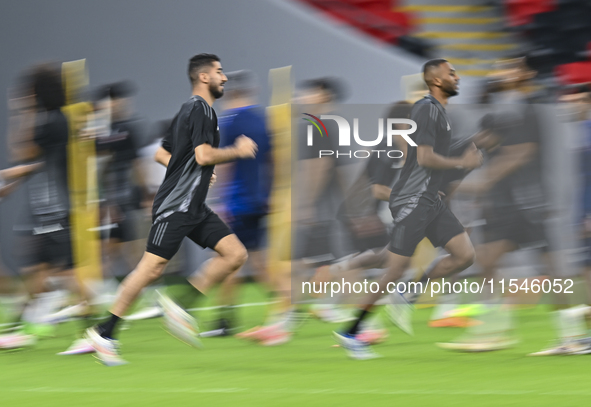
(374, 17)
(521, 12)
(574, 73)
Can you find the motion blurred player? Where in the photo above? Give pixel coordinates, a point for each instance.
(416, 206)
(190, 152)
(246, 184)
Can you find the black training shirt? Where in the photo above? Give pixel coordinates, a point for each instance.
(433, 129)
(186, 183)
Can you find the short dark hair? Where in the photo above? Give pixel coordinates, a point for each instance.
(335, 87)
(198, 63)
(122, 89)
(433, 63)
(47, 85)
(242, 82)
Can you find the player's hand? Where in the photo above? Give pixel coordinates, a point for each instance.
(213, 179)
(472, 158)
(246, 147)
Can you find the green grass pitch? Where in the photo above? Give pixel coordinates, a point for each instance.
(308, 371)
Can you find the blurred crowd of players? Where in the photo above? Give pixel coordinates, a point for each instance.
(339, 220)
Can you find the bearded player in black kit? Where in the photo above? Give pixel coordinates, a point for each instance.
(415, 202)
(190, 152)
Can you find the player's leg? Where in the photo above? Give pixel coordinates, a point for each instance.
(164, 240)
(495, 330)
(489, 254)
(446, 231)
(231, 256)
(410, 224)
(460, 256)
(213, 233)
(248, 228)
(356, 348)
(369, 250)
(101, 336)
(362, 261)
(148, 269)
(397, 265)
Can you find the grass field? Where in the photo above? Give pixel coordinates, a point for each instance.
(306, 371)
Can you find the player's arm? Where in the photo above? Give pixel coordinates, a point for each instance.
(426, 136)
(19, 171)
(244, 147)
(9, 188)
(381, 192)
(162, 156)
(426, 157)
(203, 137)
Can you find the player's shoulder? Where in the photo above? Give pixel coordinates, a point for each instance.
(196, 106)
(424, 104)
(425, 108)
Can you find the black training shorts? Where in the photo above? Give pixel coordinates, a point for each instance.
(167, 234)
(524, 227)
(415, 221)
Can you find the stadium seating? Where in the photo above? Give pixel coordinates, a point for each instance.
(374, 17)
(558, 33)
(521, 12)
(574, 73)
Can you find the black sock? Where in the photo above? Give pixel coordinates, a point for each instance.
(106, 328)
(226, 312)
(354, 329)
(226, 317)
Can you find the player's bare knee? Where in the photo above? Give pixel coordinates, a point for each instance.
(466, 259)
(153, 270)
(237, 258)
(151, 266)
(242, 257)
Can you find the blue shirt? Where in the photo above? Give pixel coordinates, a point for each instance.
(248, 190)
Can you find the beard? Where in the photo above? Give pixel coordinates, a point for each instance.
(215, 91)
(450, 91)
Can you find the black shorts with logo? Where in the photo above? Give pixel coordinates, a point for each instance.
(415, 221)
(167, 234)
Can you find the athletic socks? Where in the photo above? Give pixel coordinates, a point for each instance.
(106, 328)
(354, 329)
(226, 317)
